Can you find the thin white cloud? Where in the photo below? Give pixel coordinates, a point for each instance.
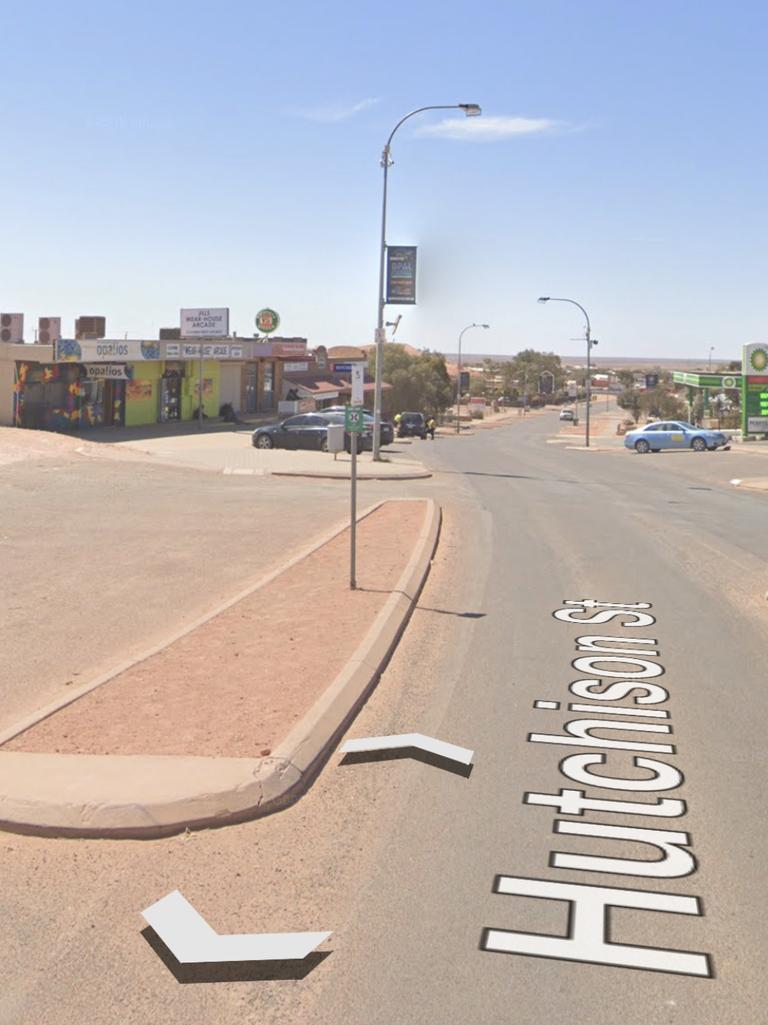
(488, 129)
(329, 114)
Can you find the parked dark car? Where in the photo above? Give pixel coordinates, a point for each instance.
(387, 427)
(305, 431)
(412, 425)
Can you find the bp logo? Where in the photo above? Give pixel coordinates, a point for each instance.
(729, 382)
(758, 359)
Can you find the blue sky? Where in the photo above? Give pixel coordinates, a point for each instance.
(159, 155)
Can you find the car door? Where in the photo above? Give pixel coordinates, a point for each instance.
(653, 435)
(313, 430)
(289, 435)
(676, 434)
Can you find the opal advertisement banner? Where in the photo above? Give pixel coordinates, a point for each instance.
(401, 275)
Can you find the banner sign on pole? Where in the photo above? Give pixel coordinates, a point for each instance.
(401, 275)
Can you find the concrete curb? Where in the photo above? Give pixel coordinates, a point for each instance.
(364, 475)
(145, 796)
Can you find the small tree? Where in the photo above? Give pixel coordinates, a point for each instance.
(631, 400)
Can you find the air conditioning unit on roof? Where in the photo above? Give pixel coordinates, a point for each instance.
(11, 327)
(48, 330)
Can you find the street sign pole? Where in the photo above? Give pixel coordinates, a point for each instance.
(353, 424)
(353, 513)
(200, 404)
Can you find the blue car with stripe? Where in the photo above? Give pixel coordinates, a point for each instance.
(674, 434)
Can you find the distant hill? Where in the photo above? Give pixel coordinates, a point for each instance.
(608, 362)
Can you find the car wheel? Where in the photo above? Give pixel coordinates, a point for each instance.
(324, 444)
(699, 445)
(642, 446)
(263, 441)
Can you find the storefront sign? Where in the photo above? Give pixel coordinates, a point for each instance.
(208, 323)
(209, 351)
(104, 350)
(109, 372)
(289, 348)
(267, 320)
(401, 275)
(295, 368)
(172, 350)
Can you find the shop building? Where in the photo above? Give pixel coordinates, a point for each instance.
(75, 384)
(324, 378)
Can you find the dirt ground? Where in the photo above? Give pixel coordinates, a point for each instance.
(237, 684)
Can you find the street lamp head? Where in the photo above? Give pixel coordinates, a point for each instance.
(543, 299)
(471, 109)
(485, 325)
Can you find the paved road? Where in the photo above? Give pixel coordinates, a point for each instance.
(399, 858)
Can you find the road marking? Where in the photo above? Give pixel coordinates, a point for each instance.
(736, 481)
(616, 673)
(430, 745)
(192, 941)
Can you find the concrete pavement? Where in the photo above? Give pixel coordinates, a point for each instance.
(47, 792)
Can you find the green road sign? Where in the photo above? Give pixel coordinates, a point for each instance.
(353, 419)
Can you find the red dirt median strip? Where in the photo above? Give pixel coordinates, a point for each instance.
(236, 685)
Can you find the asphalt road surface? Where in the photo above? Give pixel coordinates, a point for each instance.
(603, 913)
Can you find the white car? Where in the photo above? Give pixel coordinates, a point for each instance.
(567, 414)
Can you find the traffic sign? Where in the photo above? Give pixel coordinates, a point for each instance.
(354, 420)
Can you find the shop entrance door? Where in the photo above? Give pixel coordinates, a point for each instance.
(114, 403)
(170, 397)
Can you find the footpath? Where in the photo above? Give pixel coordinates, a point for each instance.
(234, 717)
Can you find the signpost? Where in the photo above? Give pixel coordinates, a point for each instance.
(354, 424)
(754, 389)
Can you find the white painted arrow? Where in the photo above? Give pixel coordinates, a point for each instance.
(403, 740)
(192, 941)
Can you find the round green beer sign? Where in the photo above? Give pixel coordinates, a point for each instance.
(267, 321)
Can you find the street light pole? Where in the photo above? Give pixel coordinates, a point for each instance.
(471, 110)
(711, 350)
(458, 376)
(590, 343)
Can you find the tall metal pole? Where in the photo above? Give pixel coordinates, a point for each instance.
(353, 512)
(379, 336)
(589, 380)
(458, 378)
(556, 299)
(470, 109)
